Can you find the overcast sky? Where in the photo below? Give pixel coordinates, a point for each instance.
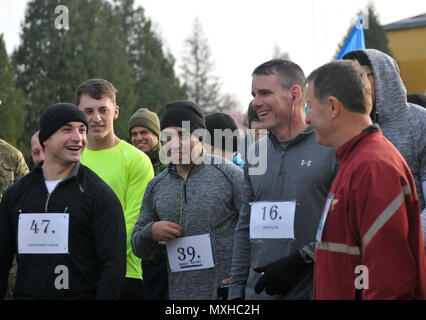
(243, 33)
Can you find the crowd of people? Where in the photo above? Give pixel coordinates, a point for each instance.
(323, 198)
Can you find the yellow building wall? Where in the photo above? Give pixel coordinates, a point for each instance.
(408, 48)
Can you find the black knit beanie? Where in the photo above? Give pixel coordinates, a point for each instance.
(57, 115)
(183, 110)
(221, 121)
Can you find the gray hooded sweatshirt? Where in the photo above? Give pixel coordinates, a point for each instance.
(300, 170)
(208, 202)
(402, 123)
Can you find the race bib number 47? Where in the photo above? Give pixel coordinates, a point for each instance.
(272, 220)
(40, 233)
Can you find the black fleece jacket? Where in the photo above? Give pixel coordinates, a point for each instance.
(96, 261)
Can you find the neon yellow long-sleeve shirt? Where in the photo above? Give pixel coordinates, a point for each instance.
(127, 171)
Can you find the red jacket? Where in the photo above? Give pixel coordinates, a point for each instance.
(373, 222)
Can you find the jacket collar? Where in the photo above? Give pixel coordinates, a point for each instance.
(154, 153)
(344, 151)
(197, 165)
(300, 137)
(73, 173)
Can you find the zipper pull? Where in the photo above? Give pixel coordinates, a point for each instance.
(47, 202)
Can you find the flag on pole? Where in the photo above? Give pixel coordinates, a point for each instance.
(355, 39)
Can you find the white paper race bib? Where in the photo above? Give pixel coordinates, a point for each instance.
(272, 220)
(190, 253)
(40, 233)
(324, 216)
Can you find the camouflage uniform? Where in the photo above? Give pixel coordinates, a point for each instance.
(12, 168)
(154, 156)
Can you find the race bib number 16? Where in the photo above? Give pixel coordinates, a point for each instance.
(272, 220)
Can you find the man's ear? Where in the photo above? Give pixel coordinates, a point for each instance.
(116, 112)
(296, 94)
(334, 107)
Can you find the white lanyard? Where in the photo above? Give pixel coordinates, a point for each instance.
(327, 206)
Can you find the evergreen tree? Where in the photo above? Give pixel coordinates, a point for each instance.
(375, 35)
(52, 62)
(203, 87)
(109, 40)
(153, 69)
(12, 102)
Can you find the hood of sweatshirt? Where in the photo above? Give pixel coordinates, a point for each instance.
(402, 123)
(391, 95)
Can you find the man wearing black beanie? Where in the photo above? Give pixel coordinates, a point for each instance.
(56, 116)
(183, 110)
(225, 137)
(193, 204)
(68, 223)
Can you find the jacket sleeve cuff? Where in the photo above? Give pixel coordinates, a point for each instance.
(308, 252)
(236, 292)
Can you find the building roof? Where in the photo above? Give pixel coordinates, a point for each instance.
(413, 22)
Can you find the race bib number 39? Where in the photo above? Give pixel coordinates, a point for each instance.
(40, 233)
(190, 253)
(272, 220)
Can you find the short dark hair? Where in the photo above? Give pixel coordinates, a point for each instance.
(417, 98)
(359, 56)
(345, 80)
(288, 72)
(251, 114)
(96, 88)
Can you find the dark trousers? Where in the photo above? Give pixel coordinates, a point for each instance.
(132, 289)
(155, 281)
